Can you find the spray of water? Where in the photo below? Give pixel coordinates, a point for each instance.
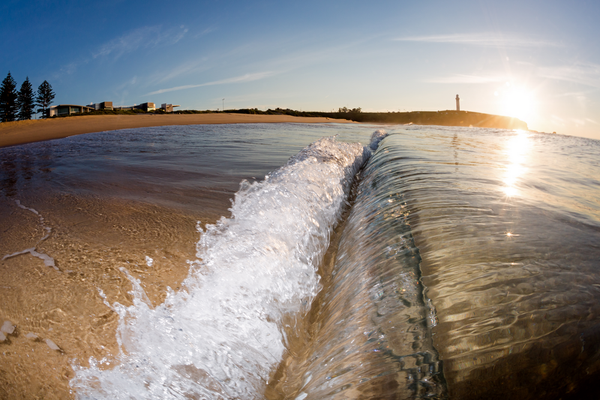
(221, 335)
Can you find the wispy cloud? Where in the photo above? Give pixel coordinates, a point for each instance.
(196, 64)
(257, 56)
(480, 39)
(145, 37)
(205, 32)
(188, 67)
(69, 68)
(238, 79)
(574, 94)
(459, 78)
(584, 74)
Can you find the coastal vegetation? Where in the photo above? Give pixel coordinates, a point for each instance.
(8, 99)
(20, 105)
(25, 101)
(45, 97)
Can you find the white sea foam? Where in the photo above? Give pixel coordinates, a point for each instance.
(220, 336)
(48, 261)
(377, 137)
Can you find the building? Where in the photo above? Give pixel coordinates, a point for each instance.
(168, 107)
(67, 109)
(108, 105)
(145, 107)
(105, 105)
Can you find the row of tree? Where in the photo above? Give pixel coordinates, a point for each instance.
(346, 110)
(20, 105)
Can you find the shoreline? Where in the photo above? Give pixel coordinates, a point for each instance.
(22, 132)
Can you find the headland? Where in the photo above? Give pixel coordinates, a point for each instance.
(443, 118)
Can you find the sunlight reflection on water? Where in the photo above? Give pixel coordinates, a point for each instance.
(516, 150)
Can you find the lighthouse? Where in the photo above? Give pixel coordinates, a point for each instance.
(457, 103)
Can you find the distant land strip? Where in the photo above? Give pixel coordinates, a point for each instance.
(21, 132)
(445, 118)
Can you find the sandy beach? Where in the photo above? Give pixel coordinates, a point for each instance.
(20, 132)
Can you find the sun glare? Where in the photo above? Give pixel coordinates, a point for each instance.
(516, 151)
(517, 102)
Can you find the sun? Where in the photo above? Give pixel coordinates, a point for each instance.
(517, 101)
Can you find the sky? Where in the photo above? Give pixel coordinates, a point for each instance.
(535, 60)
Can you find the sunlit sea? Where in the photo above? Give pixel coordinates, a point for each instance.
(301, 261)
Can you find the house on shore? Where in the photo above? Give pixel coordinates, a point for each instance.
(69, 109)
(168, 107)
(105, 105)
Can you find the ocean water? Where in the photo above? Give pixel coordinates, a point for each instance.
(394, 262)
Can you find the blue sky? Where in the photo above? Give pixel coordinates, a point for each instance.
(538, 60)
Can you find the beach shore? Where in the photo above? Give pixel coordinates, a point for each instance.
(21, 132)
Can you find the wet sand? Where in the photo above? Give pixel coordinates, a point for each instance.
(20, 132)
(95, 243)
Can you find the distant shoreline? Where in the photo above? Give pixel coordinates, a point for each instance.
(21, 132)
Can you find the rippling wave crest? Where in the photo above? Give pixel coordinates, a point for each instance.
(220, 336)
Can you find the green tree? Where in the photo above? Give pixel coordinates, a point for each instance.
(346, 110)
(25, 101)
(45, 97)
(8, 99)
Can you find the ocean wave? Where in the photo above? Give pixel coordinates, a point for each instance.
(221, 335)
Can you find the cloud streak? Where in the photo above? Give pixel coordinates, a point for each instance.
(458, 78)
(192, 66)
(238, 79)
(480, 39)
(145, 37)
(586, 74)
(583, 74)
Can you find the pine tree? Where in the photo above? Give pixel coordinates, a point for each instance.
(8, 99)
(45, 97)
(25, 101)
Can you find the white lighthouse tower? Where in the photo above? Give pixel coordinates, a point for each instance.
(457, 103)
